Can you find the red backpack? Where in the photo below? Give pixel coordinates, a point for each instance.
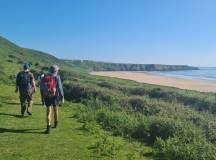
(49, 86)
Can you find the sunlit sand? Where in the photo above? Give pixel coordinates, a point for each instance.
(146, 77)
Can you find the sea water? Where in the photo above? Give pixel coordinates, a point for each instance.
(201, 74)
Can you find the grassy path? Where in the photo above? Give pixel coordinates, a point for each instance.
(23, 138)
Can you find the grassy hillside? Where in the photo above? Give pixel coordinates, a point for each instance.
(13, 56)
(175, 124)
(24, 138)
(104, 66)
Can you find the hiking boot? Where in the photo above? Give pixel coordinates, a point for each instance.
(48, 130)
(29, 113)
(56, 124)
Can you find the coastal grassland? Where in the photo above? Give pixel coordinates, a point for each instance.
(23, 138)
(178, 124)
(104, 117)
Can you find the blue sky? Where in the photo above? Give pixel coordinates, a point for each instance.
(127, 31)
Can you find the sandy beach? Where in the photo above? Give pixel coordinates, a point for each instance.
(146, 77)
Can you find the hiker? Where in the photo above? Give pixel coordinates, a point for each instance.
(39, 81)
(52, 92)
(39, 78)
(25, 84)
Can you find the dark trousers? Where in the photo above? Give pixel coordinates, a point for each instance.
(25, 99)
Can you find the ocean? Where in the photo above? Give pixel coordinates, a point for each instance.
(201, 74)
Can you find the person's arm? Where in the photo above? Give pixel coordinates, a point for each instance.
(41, 90)
(33, 82)
(60, 87)
(17, 83)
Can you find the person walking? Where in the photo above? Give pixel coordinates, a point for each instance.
(25, 85)
(52, 92)
(39, 81)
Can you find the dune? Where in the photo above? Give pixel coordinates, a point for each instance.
(150, 78)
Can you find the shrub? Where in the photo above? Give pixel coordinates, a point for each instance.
(137, 91)
(20, 62)
(106, 146)
(210, 131)
(37, 64)
(45, 68)
(66, 75)
(91, 126)
(10, 61)
(163, 128)
(158, 93)
(141, 104)
(77, 92)
(141, 130)
(174, 148)
(84, 114)
(106, 85)
(12, 56)
(118, 122)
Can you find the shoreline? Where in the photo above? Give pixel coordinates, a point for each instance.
(162, 80)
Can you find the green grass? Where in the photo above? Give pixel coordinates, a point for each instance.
(121, 107)
(23, 138)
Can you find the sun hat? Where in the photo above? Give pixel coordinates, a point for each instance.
(54, 68)
(26, 66)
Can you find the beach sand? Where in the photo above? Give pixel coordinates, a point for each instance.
(150, 78)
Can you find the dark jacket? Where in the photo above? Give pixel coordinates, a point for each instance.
(19, 80)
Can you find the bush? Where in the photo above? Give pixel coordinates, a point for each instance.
(10, 61)
(106, 85)
(84, 114)
(174, 148)
(210, 131)
(141, 104)
(163, 128)
(66, 75)
(37, 64)
(91, 126)
(137, 91)
(12, 56)
(106, 146)
(45, 68)
(77, 92)
(117, 122)
(20, 62)
(141, 130)
(158, 93)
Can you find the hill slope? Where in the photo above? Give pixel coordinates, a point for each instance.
(24, 138)
(176, 124)
(105, 66)
(16, 55)
(13, 56)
